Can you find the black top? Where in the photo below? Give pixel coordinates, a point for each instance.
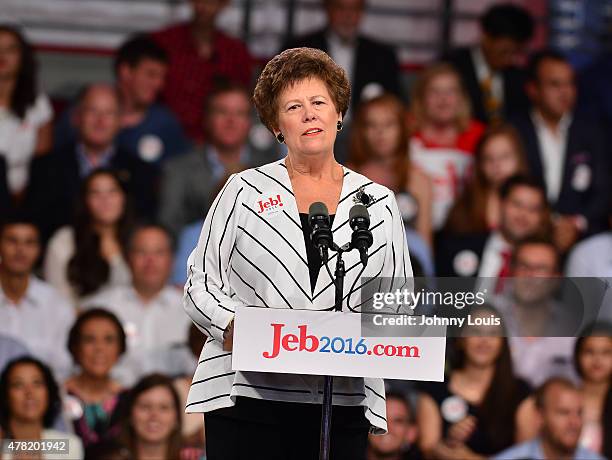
(314, 259)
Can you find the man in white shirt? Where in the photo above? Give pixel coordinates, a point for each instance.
(32, 311)
(540, 329)
(149, 309)
(565, 149)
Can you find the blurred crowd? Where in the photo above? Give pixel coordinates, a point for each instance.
(499, 169)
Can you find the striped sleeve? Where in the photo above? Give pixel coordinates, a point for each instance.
(206, 296)
(397, 268)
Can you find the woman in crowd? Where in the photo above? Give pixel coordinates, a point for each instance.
(593, 361)
(379, 150)
(480, 408)
(25, 112)
(96, 342)
(444, 135)
(499, 156)
(29, 405)
(88, 255)
(151, 421)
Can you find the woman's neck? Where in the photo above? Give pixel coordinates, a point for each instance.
(105, 230)
(440, 133)
(151, 451)
(25, 430)
(7, 86)
(317, 167)
(477, 375)
(595, 390)
(92, 388)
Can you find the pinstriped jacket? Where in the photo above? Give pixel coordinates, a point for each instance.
(252, 252)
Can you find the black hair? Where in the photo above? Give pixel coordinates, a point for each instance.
(53, 394)
(544, 240)
(139, 47)
(223, 85)
(596, 329)
(26, 87)
(87, 269)
(507, 20)
(74, 337)
(17, 217)
(536, 59)
(519, 180)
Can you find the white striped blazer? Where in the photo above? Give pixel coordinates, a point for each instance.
(252, 252)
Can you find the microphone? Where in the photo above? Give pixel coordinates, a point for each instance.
(359, 220)
(321, 234)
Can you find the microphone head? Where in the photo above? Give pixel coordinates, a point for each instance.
(317, 209)
(359, 217)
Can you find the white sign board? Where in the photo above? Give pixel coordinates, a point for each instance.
(329, 343)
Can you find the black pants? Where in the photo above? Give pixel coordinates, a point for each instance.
(269, 430)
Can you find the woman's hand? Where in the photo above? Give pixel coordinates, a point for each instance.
(461, 431)
(228, 337)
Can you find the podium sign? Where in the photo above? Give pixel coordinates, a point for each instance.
(329, 343)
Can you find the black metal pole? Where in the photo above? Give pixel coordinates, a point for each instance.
(325, 440)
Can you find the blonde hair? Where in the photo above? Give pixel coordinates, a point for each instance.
(417, 105)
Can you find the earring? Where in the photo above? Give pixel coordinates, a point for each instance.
(339, 126)
(280, 138)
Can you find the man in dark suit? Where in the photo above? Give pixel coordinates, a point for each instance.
(372, 66)
(565, 149)
(488, 71)
(523, 214)
(56, 178)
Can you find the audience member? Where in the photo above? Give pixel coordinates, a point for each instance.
(565, 150)
(151, 421)
(149, 130)
(88, 255)
(193, 428)
(481, 408)
(29, 404)
(541, 328)
(372, 66)
(400, 441)
(150, 310)
(25, 112)
(56, 178)
(488, 69)
(559, 404)
(31, 310)
(499, 156)
(188, 182)
(593, 360)
(444, 135)
(187, 240)
(10, 349)
(523, 213)
(585, 260)
(96, 342)
(379, 147)
(198, 54)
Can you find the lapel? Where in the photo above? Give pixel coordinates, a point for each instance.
(534, 152)
(340, 228)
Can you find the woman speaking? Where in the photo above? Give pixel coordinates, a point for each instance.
(255, 249)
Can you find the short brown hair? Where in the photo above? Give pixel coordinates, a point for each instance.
(294, 65)
(544, 389)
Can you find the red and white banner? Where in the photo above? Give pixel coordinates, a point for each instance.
(329, 343)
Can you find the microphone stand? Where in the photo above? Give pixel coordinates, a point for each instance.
(325, 441)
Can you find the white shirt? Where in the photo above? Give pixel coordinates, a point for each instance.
(342, 52)
(483, 71)
(60, 250)
(41, 321)
(593, 258)
(552, 152)
(492, 262)
(152, 328)
(251, 255)
(18, 139)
